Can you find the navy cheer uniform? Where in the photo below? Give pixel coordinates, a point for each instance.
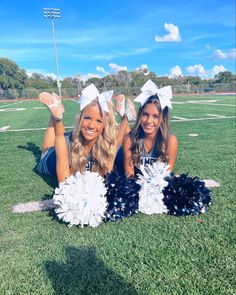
(47, 163)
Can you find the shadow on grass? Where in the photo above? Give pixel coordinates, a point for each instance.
(36, 151)
(83, 273)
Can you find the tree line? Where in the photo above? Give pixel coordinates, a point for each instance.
(14, 82)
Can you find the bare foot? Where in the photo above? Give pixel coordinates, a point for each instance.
(120, 106)
(53, 103)
(130, 111)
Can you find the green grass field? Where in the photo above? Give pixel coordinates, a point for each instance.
(146, 255)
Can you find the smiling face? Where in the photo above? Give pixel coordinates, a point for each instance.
(150, 119)
(92, 124)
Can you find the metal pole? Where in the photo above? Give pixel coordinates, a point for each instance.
(78, 85)
(54, 13)
(55, 52)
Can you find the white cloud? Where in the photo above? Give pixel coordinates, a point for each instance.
(53, 76)
(84, 78)
(173, 36)
(143, 69)
(101, 70)
(175, 72)
(232, 54)
(219, 54)
(197, 70)
(116, 68)
(29, 73)
(216, 70)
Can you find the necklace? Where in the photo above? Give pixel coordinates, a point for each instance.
(147, 146)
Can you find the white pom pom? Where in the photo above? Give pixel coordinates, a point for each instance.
(81, 199)
(152, 183)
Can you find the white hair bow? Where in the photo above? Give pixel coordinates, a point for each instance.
(149, 88)
(91, 93)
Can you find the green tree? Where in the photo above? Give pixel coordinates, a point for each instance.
(192, 80)
(39, 81)
(71, 87)
(224, 77)
(11, 75)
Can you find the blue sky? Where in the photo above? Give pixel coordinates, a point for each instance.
(95, 38)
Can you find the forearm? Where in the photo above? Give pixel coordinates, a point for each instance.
(62, 153)
(127, 157)
(172, 151)
(123, 129)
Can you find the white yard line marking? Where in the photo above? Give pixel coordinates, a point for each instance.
(71, 127)
(194, 101)
(33, 129)
(39, 108)
(193, 134)
(179, 118)
(219, 104)
(13, 110)
(213, 115)
(7, 105)
(211, 183)
(49, 203)
(203, 103)
(203, 119)
(34, 206)
(4, 128)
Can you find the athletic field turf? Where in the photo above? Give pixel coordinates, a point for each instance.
(146, 255)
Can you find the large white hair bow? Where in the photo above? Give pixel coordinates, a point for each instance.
(149, 88)
(90, 93)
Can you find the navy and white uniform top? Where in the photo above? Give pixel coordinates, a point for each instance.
(151, 157)
(89, 163)
(47, 163)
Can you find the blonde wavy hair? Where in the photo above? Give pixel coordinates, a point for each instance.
(104, 150)
(162, 135)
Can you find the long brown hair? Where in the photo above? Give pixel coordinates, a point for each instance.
(103, 151)
(162, 135)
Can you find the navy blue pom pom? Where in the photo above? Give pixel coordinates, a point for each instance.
(122, 196)
(186, 196)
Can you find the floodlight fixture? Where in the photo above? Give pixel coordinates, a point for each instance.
(54, 13)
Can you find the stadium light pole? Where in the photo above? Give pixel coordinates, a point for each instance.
(54, 13)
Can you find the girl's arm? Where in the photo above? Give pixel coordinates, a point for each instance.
(172, 150)
(128, 163)
(62, 152)
(122, 130)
